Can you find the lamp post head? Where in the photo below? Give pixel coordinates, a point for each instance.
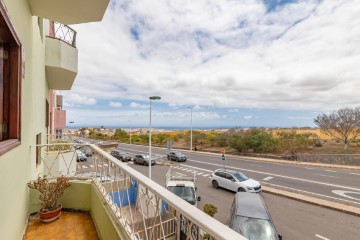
(155, 98)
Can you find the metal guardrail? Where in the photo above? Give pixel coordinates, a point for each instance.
(142, 207)
(62, 32)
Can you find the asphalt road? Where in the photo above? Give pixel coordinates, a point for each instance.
(330, 184)
(295, 220)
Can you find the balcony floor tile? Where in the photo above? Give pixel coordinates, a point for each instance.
(70, 225)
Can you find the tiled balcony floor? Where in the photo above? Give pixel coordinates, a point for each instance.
(70, 226)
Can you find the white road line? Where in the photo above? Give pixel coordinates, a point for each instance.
(355, 173)
(267, 178)
(330, 171)
(203, 169)
(254, 165)
(321, 237)
(92, 166)
(106, 165)
(316, 194)
(325, 175)
(84, 166)
(277, 175)
(205, 175)
(200, 173)
(310, 168)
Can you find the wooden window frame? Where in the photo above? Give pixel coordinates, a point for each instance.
(13, 107)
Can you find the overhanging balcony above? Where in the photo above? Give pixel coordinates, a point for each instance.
(70, 11)
(61, 57)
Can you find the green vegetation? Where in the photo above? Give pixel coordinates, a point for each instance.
(236, 140)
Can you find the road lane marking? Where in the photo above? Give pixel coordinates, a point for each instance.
(330, 171)
(106, 165)
(343, 194)
(355, 173)
(199, 173)
(312, 193)
(321, 237)
(325, 175)
(84, 166)
(310, 168)
(92, 166)
(254, 165)
(205, 175)
(267, 178)
(282, 176)
(203, 169)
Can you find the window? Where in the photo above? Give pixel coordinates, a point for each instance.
(229, 177)
(38, 149)
(220, 174)
(10, 83)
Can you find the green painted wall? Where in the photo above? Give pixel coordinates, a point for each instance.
(18, 165)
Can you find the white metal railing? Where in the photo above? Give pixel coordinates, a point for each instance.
(144, 209)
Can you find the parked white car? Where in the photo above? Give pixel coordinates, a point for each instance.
(234, 181)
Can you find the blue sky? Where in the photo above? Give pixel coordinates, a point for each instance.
(238, 63)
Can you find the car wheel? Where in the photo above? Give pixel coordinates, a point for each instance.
(177, 159)
(168, 157)
(240, 189)
(135, 162)
(215, 184)
(145, 163)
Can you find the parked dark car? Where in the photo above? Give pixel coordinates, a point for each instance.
(123, 156)
(177, 156)
(250, 217)
(143, 159)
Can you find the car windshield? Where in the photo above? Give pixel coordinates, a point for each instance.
(240, 177)
(179, 154)
(254, 229)
(186, 193)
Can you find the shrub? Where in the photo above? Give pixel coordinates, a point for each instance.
(210, 209)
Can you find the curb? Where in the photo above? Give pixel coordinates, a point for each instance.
(315, 201)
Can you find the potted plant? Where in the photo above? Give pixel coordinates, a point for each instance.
(50, 193)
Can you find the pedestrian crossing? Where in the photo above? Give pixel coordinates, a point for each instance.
(191, 170)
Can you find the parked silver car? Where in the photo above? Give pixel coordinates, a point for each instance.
(80, 156)
(234, 181)
(143, 159)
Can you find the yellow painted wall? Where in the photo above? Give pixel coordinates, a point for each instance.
(18, 165)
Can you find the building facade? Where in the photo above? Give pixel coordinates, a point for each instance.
(34, 58)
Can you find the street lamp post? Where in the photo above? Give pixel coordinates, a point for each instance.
(151, 98)
(191, 108)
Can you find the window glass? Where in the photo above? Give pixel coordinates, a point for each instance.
(240, 177)
(254, 229)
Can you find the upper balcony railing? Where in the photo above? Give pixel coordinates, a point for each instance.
(141, 207)
(62, 32)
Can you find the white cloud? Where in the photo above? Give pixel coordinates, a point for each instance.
(138, 105)
(115, 104)
(235, 110)
(248, 117)
(232, 54)
(77, 99)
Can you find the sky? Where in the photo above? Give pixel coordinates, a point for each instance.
(244, 63)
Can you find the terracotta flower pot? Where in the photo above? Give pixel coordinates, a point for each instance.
(49, 216)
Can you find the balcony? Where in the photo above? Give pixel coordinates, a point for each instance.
(70, 11)
(61, 56)
(123, 203)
